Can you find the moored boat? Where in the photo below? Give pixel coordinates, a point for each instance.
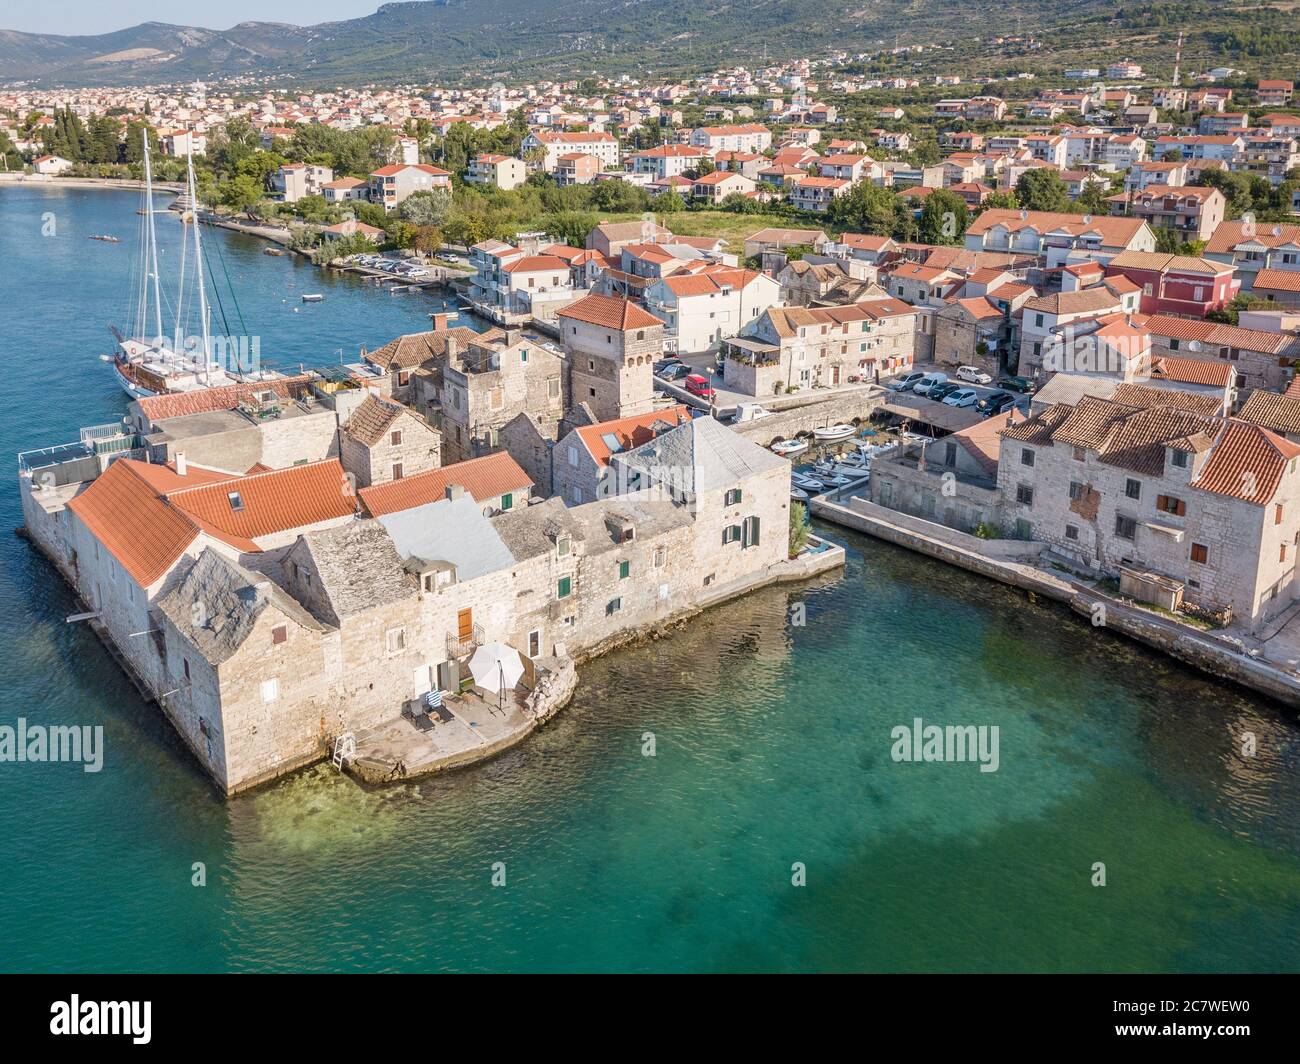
(833, 432)
(789, 447)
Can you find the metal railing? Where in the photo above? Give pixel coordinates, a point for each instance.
(462, 648)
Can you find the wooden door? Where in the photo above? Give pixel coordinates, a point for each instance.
(464, 624)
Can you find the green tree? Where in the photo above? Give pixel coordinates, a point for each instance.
(571, 227)
(427, 208)
(944, 218)
(1042, 189)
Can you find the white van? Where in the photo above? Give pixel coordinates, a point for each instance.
(929, 381)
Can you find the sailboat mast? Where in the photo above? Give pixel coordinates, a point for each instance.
(198, 261)
(153, 238)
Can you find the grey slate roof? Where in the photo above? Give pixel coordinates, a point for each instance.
(230, 600)
(449, 530)
(358, 566)
(529, 530)
(699, 456)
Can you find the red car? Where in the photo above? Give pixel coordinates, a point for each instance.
(698, 384)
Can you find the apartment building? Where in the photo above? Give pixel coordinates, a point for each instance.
(1204, 509)
(701, 309)
(391, 185)
(498, 171)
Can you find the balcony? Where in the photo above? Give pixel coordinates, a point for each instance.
(463, 648)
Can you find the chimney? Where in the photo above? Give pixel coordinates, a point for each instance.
(441, 322)
(512, 336)
(453, 352)
(455, 491)
(181, 465)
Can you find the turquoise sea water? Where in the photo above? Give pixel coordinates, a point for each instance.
(772, 746)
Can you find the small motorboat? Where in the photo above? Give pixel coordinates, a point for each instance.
(808, 483)
(105, 238)
(838, 431)
(312, 297)
(798, 494)
(790, 447)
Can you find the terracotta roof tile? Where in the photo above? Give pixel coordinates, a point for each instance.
(610, 312)
(629, 432)
(483, 478)
(226, 397)
(277, 501)
(134, 522)
(1247, 463)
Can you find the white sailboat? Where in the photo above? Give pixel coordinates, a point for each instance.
(148, 362)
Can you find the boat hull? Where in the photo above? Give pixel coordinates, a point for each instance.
(132, 388)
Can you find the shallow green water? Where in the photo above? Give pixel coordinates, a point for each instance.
(772, 747)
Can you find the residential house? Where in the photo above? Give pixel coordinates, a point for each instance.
(391, 185)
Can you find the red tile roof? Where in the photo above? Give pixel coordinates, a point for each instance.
(277, 501)
(1278, 280)
(628, 431)
(1247, 463)
(226, 397)
(134, 522)
(609, 312)
(483, 478)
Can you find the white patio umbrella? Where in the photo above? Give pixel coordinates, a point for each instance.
(496, 667)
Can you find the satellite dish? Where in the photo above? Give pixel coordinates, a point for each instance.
(1024, 216)
(1193, 345)
(1087, 219)
(1277, 230)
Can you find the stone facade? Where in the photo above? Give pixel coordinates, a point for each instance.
(1211, 503)
(611, 369)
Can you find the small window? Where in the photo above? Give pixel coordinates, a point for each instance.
(1277, 514)
(1133, 488)
(1281, 552)
(403, 377)
(730, 534)
(1077, 490)
(1125, 527)
(279, 634)
(733, 497)
(1026, 457)
(507, 500)
(397, 470)
(613, 606)
(1180, 459)
(561, 545)
(236, 501)
(270, 690)
(564, 587)
(1024, 495)
(661, 556)
(185, 662)
(395, 640)
(1072, 532)
(624, 569)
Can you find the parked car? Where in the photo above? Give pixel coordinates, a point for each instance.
(994, 403)
(961, 397)
(928, 381)
(698, 385)
(674, 372)
(665, 362)
(1017, 384)
(941, 391)
(749, 412)
(973, 375)
(904, 383)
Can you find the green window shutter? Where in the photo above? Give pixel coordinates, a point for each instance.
(507, 501)
(565, 586)
(623, 569)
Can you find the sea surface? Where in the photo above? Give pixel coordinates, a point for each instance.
(770, 722)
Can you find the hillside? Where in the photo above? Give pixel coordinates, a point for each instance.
(440, 39)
